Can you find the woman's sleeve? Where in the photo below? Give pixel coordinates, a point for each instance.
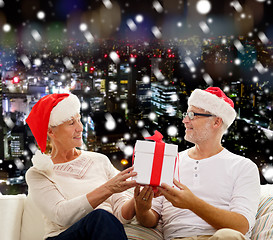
(117, 201)
(52, 203)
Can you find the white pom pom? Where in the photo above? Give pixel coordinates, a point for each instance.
(42, 162)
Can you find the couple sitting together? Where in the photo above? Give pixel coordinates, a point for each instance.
(82, 196)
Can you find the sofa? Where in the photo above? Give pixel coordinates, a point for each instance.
(21, 220)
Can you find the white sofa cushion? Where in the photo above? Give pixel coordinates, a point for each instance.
(11, 209)
(19, 210)
(32, 221)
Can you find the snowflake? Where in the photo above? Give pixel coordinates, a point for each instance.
(84, 105)
(36, 35)
(104, 139)
(263, 38)
(139, 18)
(156, 32)
(37, 62)
(157, 6)
(127, 136)
(203, 6)
(179, 24)
(140, 124)
(6, 27)
(114, 56)
(110, 122)
(204, 27)
(152, 116)
(128, 150)
(172, 131)
(41, 15)
(107, 3)
(131, 25)
(146, 79)
(208, 79)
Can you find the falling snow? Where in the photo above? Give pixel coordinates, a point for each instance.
(203, 6)
(139, 18)
(204, 27)
(156, 32)
(227, 44)
(158, 7)
(172, 131)
(6, 27)
(110, 122)
(131, 25)
(41, 15)
(114, 56)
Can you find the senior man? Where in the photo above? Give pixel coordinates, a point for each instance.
(216, 192)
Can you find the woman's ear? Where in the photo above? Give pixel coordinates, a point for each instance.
(50, 132)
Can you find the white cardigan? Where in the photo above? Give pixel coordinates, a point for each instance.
(60, 191)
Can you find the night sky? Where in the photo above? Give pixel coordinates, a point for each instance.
(108, 18)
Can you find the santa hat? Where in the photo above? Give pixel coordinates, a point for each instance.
(51, 110)
(214, 100)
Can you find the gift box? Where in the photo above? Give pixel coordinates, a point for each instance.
(154, 161)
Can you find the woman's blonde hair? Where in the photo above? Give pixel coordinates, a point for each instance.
(50, 146)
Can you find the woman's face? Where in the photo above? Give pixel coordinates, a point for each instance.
(68, 134)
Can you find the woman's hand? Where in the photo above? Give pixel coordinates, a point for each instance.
(119, 184)
(143, 198)
(143, 203)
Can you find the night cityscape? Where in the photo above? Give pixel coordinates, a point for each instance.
(133, 67)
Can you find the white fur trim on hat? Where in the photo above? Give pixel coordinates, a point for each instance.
(64, 110)
(213, 104)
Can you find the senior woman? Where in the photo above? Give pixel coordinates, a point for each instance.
(79, 193)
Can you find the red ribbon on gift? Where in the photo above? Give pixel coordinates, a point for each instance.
(158, 158)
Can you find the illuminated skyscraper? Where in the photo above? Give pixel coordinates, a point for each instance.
(164, 99)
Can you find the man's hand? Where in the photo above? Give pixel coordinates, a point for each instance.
(216, 217)
(182, 198)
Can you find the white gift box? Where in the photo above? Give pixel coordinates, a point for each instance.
(144, 162)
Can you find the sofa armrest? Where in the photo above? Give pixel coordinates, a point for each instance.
(263, 228)
(11, 208)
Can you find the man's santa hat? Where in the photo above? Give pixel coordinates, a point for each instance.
(214, 100)
(51, 110)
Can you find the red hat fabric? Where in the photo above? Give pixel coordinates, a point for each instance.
(219, 93)
(214, 100)
(53, 109)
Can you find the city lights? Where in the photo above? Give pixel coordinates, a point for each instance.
(124, 162)
(133, 68)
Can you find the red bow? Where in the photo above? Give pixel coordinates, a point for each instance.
(157, 137)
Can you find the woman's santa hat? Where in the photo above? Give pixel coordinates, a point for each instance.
(51, 110)
(214, 100)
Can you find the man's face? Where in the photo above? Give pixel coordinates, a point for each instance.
(198, 129)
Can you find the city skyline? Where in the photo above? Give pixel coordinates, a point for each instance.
(137, 61)
(104, 88)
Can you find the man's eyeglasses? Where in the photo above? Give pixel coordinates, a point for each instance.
(192, 114)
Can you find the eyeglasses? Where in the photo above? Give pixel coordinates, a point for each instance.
(192, 114)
